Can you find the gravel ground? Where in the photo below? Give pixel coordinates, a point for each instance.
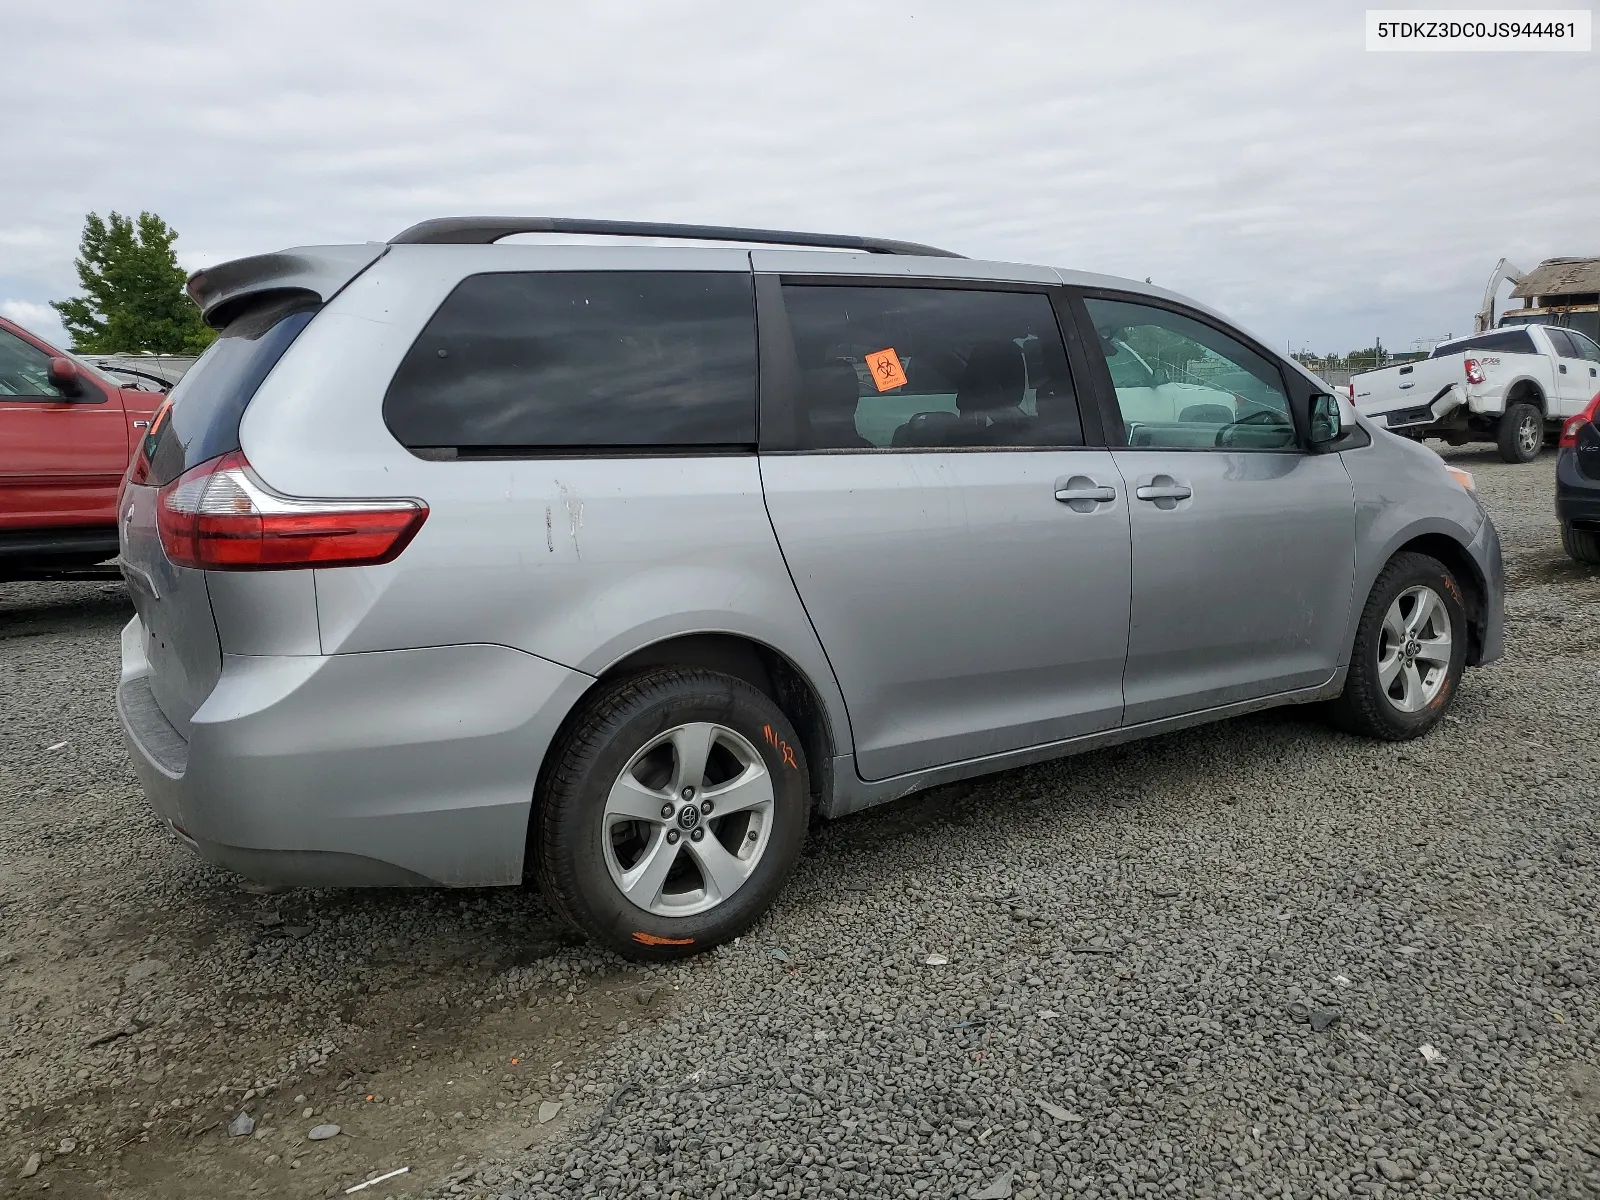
(1203, 965)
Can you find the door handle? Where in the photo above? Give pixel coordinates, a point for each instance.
(1100, 495)
(1083, 493)
(1593, 371)
(1563, 368)
(1164, 491)
(141, 424)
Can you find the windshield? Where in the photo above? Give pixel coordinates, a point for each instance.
(1585, 321)
(88, 368)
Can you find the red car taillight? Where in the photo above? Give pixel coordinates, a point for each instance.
(1474, 371)
(1570, 427)
(219, 517)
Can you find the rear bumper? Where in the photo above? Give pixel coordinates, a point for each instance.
(407, 767)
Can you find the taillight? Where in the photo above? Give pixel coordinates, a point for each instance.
(1570, 427)
(1474, 371)
(219, 517)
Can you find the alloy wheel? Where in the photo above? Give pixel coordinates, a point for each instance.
(1414, 649)
(688, 819)
(1530, 434)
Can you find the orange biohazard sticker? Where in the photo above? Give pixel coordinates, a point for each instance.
(650, 939)
(886, 369)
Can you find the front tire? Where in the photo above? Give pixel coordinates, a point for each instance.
(674, 810)
(1410, 650)
(1521, 433)
(1581, 545)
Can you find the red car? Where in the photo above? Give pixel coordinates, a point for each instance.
(67, 434)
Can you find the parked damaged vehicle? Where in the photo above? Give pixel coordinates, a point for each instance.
(611, 566)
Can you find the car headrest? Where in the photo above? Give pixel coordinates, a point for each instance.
(833, 388)
(1210, 414)
(995, 377)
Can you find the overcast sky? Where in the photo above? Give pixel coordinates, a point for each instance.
(1254, 156)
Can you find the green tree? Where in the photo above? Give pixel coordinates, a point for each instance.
(133, 291)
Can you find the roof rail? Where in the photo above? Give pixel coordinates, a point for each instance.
(482, 231)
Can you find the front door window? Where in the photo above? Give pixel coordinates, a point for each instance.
(1181, 384)
(25, 370)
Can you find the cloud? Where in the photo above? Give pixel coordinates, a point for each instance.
(23, 237)
(36, 318)
(1251, 154)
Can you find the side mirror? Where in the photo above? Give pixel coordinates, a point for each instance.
(1325, 420)
(65, 377)
(1325, 424)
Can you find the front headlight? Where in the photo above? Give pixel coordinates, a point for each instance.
(1464, 478)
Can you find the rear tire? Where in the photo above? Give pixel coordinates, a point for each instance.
(1581, 545)
(1520, 436)
(631, 852)
(1410, 650)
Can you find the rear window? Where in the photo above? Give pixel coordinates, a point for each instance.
(522, 362)
(209, 401)
(1507, 341)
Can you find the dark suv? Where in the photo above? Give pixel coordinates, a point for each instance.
(1578, 484)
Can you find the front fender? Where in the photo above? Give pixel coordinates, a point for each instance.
(1403, 493)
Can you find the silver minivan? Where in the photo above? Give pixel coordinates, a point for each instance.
(461, 561)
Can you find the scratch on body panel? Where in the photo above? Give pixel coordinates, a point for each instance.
(574, 507)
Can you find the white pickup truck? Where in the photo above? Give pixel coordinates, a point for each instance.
(1512, 387)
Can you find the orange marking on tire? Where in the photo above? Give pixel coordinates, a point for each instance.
(650, 939)
(781, 746)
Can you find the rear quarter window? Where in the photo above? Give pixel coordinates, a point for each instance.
(200, 420)
(524, 362)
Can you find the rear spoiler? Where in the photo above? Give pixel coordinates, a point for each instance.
(322, 271)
